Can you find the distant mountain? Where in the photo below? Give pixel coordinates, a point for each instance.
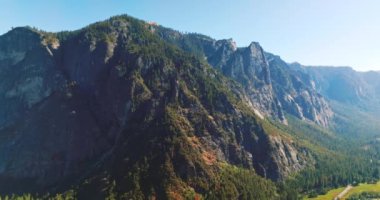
(124, 109)
(342, 84)
(355, 95)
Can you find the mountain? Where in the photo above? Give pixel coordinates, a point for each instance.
(125, 109)
(342, 84)
(259, 72)
(355, 97)
(114, 103)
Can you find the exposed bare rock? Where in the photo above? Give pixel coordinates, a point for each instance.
(297, 94)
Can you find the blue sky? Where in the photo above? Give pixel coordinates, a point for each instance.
(312, 32)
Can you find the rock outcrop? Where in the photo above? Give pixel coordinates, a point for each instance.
(297, 93)
(249, 67)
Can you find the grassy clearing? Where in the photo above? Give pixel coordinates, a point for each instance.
(364, 187)
(329, 195)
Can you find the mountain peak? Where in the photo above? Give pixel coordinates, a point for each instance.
(257, 51)
(22, 29)
(25, 32)
(254, 45)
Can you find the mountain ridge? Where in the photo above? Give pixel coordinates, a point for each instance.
(223, 54)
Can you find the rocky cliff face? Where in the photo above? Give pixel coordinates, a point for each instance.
(297, 93)
(272, 86)
(249, 67)
(114, 102)
(48, 131)
(28, 73)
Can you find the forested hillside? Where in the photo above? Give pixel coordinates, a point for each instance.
(125, 109)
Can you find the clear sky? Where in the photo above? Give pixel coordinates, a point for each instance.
(312, 32)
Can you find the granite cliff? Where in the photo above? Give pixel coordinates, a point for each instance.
(273, 87)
